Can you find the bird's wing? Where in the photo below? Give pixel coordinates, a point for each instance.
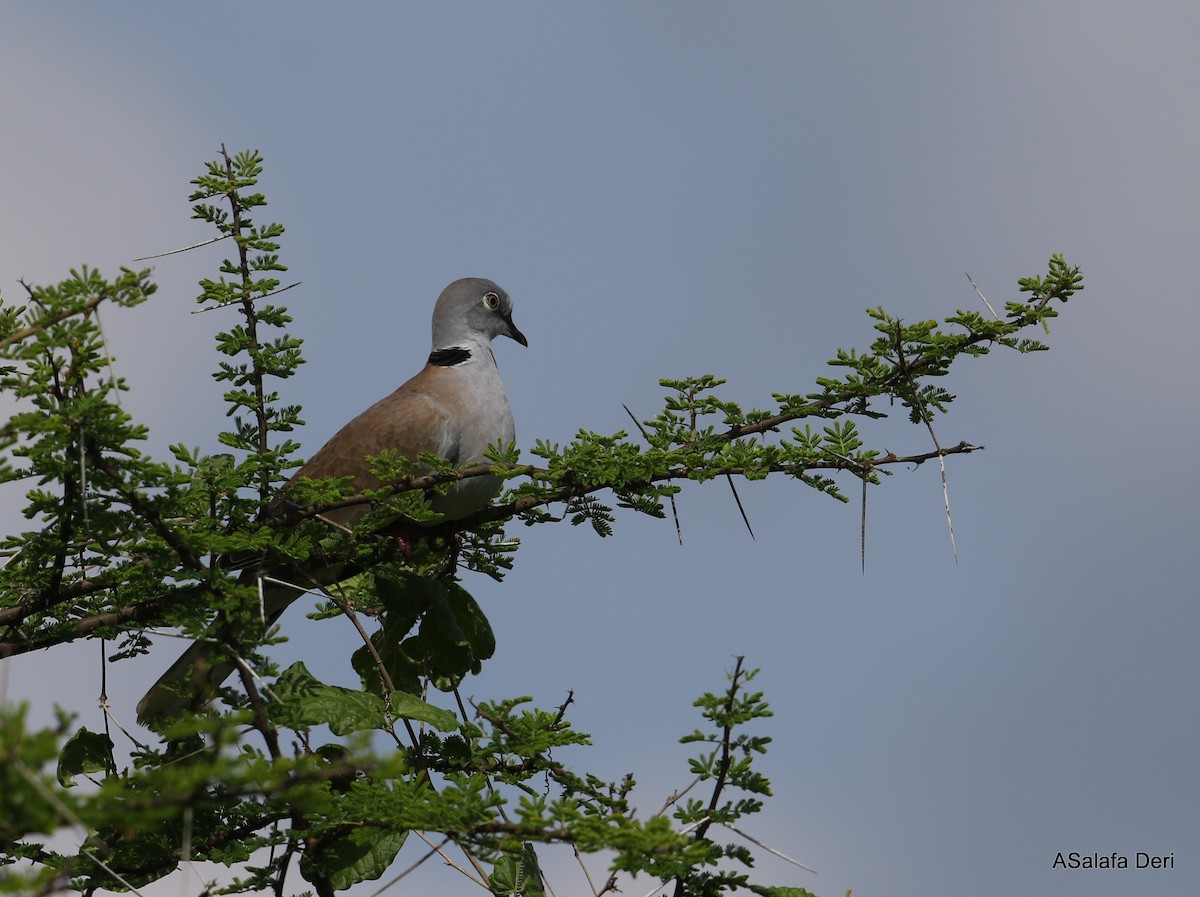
(415, 419)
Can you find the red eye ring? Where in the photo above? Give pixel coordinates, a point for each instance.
(491, 300)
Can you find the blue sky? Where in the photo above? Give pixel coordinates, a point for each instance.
(682, 188)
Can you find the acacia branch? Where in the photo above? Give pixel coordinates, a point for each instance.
(564, 493)
(427, 481)
(722, 778)
(143, 613)
(148, 611)
(73, 591)
(56, 318)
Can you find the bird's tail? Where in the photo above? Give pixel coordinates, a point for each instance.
(196, 677)
(190, 682)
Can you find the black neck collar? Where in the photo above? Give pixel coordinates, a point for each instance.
(450, 356)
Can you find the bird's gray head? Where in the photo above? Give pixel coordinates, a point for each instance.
(472, 310)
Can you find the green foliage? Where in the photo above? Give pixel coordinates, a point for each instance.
(84, 752)
(432, 630)
(119, 541)
(518, 876)
(730, 764)
(227, 179)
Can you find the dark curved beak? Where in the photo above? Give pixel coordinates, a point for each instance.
(515, 333)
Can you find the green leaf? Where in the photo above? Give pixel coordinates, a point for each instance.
(405, 596)
(411, 707)
(455, 636)
(780, 892)
(362, 855)
(518, 876)
(452, 640)
(84, 752)
(304, 701)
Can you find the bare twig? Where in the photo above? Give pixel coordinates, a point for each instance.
(106, 708)
(768, 848)
(983, 297)
(108, 360)
(453, 865)
(945, 482)
(160, 255)
(919, 404)
(562, 708)
(738, 499)
(676, 797)
(586, 874)
(862, 536)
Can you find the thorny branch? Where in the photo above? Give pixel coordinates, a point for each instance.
(57, 318)
(147, 611)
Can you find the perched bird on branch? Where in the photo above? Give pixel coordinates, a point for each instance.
(455, 407)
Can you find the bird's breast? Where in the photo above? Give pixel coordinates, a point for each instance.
(484, 420)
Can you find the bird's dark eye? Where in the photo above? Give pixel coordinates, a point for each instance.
(491, 300)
